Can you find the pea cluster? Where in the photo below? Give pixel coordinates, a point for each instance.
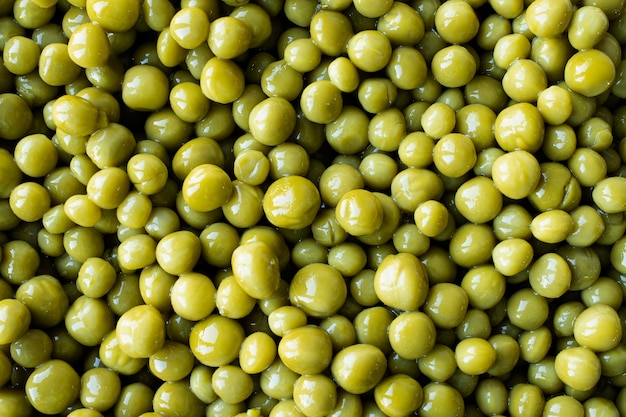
(313, 208)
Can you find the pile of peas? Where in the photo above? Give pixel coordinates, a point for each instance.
(288, 208)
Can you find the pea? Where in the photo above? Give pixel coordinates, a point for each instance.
(453, 66)
(53, 387)
(269, 113)
(291, 202)
(578, 367)
(358, 368)
(589, 72)
(306, 350)
(441, 396)
(216, 340)
(401, 271)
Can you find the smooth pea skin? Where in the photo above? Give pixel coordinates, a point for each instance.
(590, 72)
(207, 187)
(401, 282)
(141, 331)
(291, 202)
(358, 368)
(255, 267)
(598, 327)
(216, 340)
(14, 321)
(306, 350)
(578, 367)
(53, 387)
(318, 289)
(474, 356)
(359, 212)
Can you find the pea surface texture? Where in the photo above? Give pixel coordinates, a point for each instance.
(284, 208)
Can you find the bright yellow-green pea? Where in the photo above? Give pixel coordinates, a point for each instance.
(608, 194)
(20, 55)
(190, 27)
(177, 399)
(35, 155)
(321, 102)
(256, 269)
(29, 201)
(478, 200)
(291, 202)
(108, 187)
(15, 320)
(116, 16)
(369, 50)
(474, 356)
(206, 188)
(519, 127)
(358, 368)
(415, 150)
(401, 271)
(279, 79)
(524, 80)
(100, 389)
(512, 256)
(598, 328)
(213, 80)
(169, 52)
(578, 367)
(453, 66)
(587, 27)
(398, 395)
(140, 331)
(550, 276)
(82, 211)
(456, 22)
(258, 351)
(555, 105)
(306, 349)
(454, 155)
(387, 129)
(438, 120)
(178, 252)
(76, 116)
(272, 121)
(359, 212)
(516, 174)
(88, 46)
(145, 88)
(229, 37)
(548, 19)
(188, 102)
(53, 387)
(302, 55)
(590, 72)
(406, 68)
(563, 405)
(318, 289)
(552, 226)
(331, 31)
(377, 94)
(401, 24)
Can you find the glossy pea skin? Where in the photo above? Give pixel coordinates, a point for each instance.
(53, 386)
(358, 368)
